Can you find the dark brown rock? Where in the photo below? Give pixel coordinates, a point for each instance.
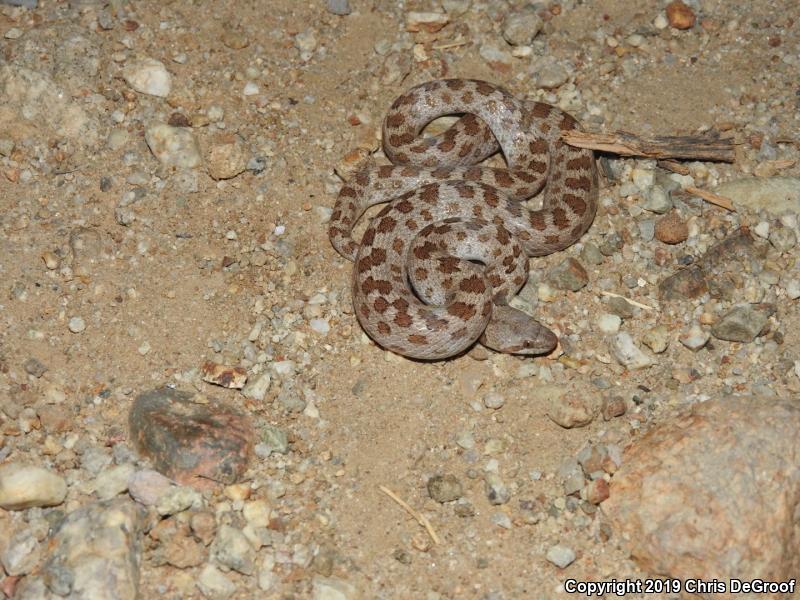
(190, 442)
(714, 493)
(671, 229)
(719, 272)
(684, 285)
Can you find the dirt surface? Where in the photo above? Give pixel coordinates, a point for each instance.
(177, 269)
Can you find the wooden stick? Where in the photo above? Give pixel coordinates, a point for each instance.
(628, 300)
(715, 199)
(675, 167)
(690, 147)
(421, 519)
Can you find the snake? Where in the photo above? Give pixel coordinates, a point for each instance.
(436, 268)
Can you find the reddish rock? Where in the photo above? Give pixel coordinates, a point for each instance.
(671, 229)
(714, 493)
(679, 15)
(596, 491)
(188, 442)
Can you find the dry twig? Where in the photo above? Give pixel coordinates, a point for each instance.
(715, 199)
(628, 300)
(421, 519)
(688, 147)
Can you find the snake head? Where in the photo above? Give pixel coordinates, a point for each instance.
(513, 332)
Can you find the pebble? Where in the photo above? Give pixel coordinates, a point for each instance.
(782, 239)
(214, 584)
(496, 490)
(20, 554)
(493, 400)
(609, 324)
(148, 486)
(628, 353)
(501, 519)
(256, 513)
(550, 76)
(569, 410)
(657, 200)
(657, 338)
(148, 76)
(743, 323)
(671, 229)
(95, 552)
(231, 549)
(496, 57)
(320, 326)
(694, 338)
(24, 486)
(173, 146)
(569, 274)
(444, 488)
(257, 387)
(560, 556)
(35, 367)
(330, 588)
(77, 325)
(305, 41)
(762, 230)
(113, 481)
(519, 28)
(792, 288)
(613, 407)
(591, 254)
(338, 7)
(178, 499)
(274, 440)
(679, 15)
(187, 441)
(595, 491)
(456, 8)
(430, 22)
(226, 157)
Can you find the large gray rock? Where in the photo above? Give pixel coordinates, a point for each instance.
(714, 493)
(774, 194)
(93, 554)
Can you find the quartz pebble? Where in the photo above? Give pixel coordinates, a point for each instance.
(560, 556)
(23, 486)
(148, 76)
(173, 146)
(694, 338)
(628, 353)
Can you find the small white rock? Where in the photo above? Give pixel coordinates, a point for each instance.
(608, 323)
(695, 338)
(173, 146)
(215, 584)
(23, 486)
(762, 229)
(76, 325)
(320, 326)
(493, 400)
(148, 76)
(560, 556)
(628, 353)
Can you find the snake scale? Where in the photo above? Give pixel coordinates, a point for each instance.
(436, 267)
